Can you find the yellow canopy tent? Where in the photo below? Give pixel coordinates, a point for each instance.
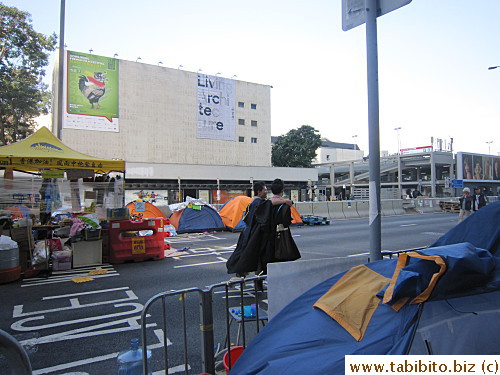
(43, 150)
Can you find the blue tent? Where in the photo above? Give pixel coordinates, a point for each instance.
(199, 219)
(441, 300)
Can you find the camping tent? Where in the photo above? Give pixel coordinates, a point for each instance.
(43, 150)
(440, 300)
(196, 218)
(150, 210)
(233, 211)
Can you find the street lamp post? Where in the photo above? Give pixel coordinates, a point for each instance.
(399, 145)
(489, 147)
(354, 140)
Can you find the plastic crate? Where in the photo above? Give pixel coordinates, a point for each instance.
(92, 234)
(125, 246)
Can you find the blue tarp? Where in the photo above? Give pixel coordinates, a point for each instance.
(306, 340)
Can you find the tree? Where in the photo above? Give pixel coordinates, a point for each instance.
(297, 148)
(24, 54)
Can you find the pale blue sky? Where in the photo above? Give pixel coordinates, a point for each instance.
(433, 59)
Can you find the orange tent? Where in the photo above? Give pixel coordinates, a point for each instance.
(296, 219)
(150, 211)
(232, 212)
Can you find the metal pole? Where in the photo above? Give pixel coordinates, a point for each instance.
(60, 80)
(207, 333)
(373, 129)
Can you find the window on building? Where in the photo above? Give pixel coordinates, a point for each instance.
(254, 123)
(241, 121)
(254, 140)
(241, 105)
(253, 106)
(241, 139)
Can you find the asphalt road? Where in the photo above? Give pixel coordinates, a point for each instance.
(72, 327)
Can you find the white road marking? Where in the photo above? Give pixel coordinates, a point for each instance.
(66, 276)
(158, 333)
(221, 260)
(407, 225)
(19, 325)
(87, 293)
(95, 330)
(198, 238)
(18, 309)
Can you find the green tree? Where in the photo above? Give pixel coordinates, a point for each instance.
(24, 54)
(297, 148)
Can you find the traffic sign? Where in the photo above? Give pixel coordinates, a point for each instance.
(457, 184)
(354, 11)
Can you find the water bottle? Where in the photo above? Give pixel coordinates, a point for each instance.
(130, 361)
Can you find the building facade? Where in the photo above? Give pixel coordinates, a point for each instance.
(172, 127)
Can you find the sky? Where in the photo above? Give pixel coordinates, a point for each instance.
(433, 58)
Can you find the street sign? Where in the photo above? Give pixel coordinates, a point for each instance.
(354, 11)
(457, 184)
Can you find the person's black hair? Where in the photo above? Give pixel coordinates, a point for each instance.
(258, 186)
(277, 186)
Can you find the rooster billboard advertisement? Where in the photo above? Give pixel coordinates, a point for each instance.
(92, 92)
(216, 108)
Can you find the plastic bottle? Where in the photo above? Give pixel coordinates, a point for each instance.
(130, 361)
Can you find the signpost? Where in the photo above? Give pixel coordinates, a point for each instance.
(457, 184)
(355, 13)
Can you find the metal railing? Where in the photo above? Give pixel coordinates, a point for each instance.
(205, 297)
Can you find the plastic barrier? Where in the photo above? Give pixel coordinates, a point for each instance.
(126, 245)
(321, 209)
(349, 209)
(335, 209)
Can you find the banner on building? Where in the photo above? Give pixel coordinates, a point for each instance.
(92, 92)
(474, 167)
(216, 112)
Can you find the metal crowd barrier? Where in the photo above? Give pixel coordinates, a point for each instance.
(248, 289)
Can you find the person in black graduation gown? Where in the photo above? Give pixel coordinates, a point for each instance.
(255, 247)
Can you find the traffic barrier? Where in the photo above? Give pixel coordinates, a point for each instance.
(335, 209)
(349, 209)
(397, 205)
(305, 208)
(237, 295)
(424, 205)
(386, 208)
(127, 244)
(321, 209)
(363, 208)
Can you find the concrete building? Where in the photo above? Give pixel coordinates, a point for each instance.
(336, 151)
(436, 174)
(176, 130)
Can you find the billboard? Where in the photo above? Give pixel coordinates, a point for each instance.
(415, 150)
(215, 107)
(476, 167)
(91, 92)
